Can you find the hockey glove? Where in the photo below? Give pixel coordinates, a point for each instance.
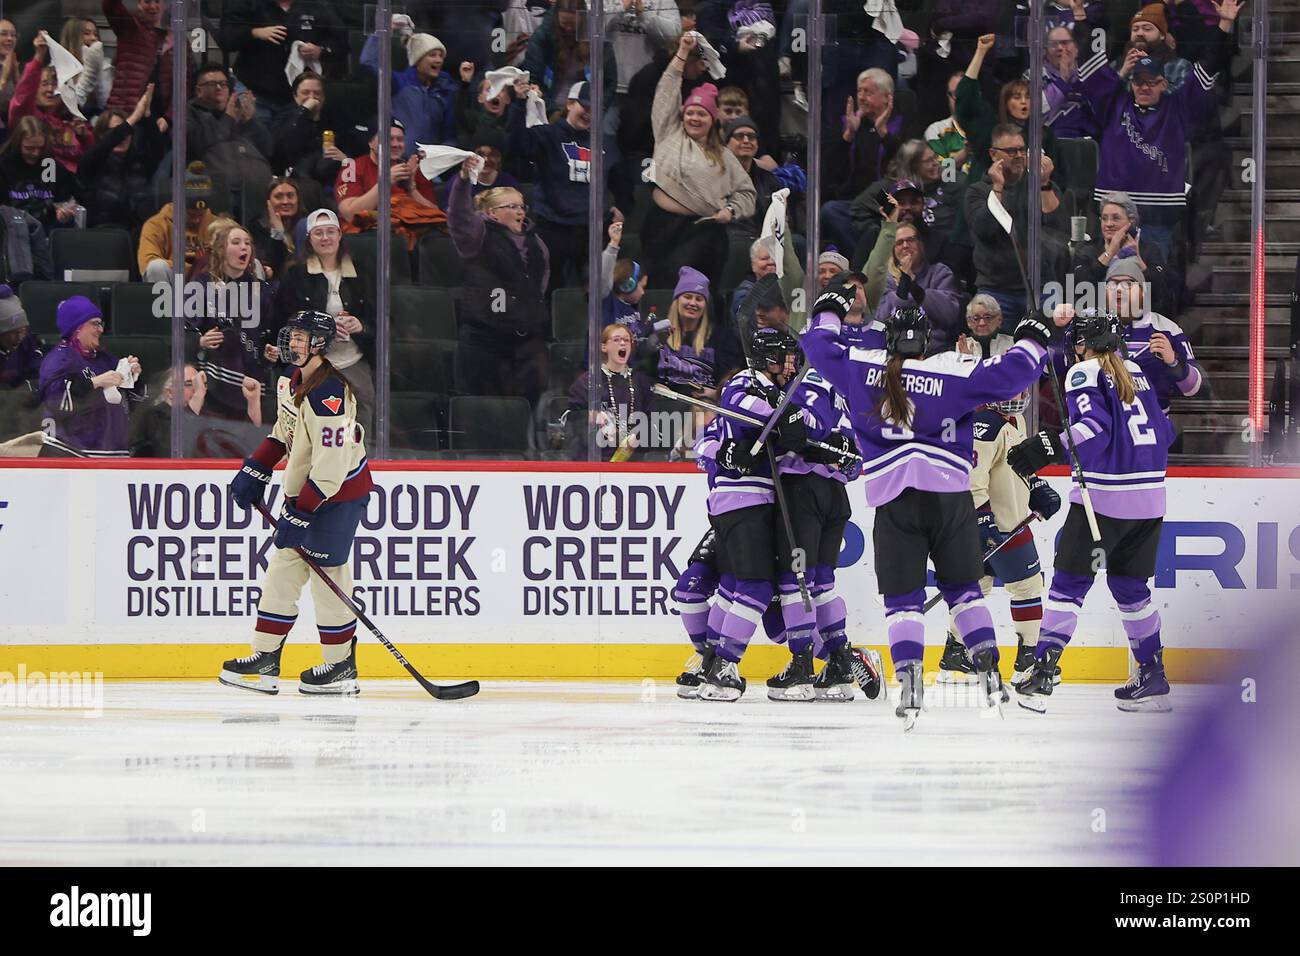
(791, 430)
(735, 455)
(990, 534)
(1034, 452)
(1042, 499)
(1036, 326)
(291, 530)
(767, 393)
(836, 298)
(249, 483)
(842, 454)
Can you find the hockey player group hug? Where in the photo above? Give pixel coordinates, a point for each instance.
(938, 441)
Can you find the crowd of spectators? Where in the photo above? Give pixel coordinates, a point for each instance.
(925, 133)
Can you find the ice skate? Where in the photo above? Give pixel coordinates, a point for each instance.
(1033, 691)
(835, 682)
(994, 694)
(339, 679)
(911, 695)
(689, 680)
(869, 672)
(1148, 690)
(1024, 665)
(259, 671)
(722, 681)
(955, 666)
(796, 681)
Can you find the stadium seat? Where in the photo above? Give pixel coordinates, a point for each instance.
(658, 299)
(133, 305)
(439, 263)
(417, 422)
(419, 312)
(423, 366)
(100, 251)
(569, 319)
(153, 351)
(489, 423)
(41, 301)
(363, 247)
(566, 363)
(1079, 158)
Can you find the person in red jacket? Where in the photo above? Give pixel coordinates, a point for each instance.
(144, 56)
(36, 95)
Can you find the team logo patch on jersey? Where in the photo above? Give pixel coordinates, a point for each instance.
(1078, 378)
(333, 403)
(579, 158)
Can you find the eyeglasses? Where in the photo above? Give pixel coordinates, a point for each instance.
(1013, 150)
(745, 137)
(907, 241)
(95, 324)
(1056, 44)
(1150, 83)
(982, 317)
(512, 205)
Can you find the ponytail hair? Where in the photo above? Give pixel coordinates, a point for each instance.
(893, 406)
(1112, 363)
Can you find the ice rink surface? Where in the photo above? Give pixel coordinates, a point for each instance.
(582, 773)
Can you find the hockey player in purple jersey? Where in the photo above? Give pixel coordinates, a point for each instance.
(1123, 441)
(913, 421)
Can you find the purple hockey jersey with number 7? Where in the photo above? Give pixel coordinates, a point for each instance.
(935, 452)
(1123, 448)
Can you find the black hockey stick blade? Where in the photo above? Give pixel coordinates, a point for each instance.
(451, 692)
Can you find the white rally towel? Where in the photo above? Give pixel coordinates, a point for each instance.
(712, 62)
(762, 30)
(66, 69)
(534, 110)
(111, 394)
(498, 80)
(436, 160)
(297, 65)
(887, 20)
(773, 233)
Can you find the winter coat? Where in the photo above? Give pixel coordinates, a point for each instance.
(21, 368)
(117, 188)
(144, 56)
(69, 137)
(156, 238)
(261, 63)
(24, 249)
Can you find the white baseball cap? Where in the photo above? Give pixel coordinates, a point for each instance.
(322, 217)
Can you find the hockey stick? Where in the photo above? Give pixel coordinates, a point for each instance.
(452, 692)
(780, 407)
(1076, 468)
(665, 392)
(988, 554)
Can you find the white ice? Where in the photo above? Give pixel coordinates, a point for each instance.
(599, 773)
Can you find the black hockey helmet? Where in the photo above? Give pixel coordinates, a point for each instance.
(770, 347)
(908, 332)
(1097, 330)
(320, 330)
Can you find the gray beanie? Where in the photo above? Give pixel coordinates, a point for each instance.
(1126, 266)
(11, 311)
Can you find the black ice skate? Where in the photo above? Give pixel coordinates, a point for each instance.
(869, 671)
(259, 671)
(722, 681)
(689, 680)
(911, 695)
(835, 682)
(339, 680)
(955, 667)
(1148, 690)
(1025, 664)
(796, 681)
(1033, 691)
(991, 689)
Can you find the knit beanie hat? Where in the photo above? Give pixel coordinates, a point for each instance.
(11, 311)
(1126, 266)
(75, 312)
(706, 96)
(422, 44)
(1152, 13)
(835, 259)
(739, 123)
(691, 280)
(198, 184)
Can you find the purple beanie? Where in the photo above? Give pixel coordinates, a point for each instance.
(691, 280)
(75, 312)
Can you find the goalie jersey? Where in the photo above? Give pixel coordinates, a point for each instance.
(323, 442)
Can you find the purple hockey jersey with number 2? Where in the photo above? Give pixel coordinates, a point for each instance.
(936, 451)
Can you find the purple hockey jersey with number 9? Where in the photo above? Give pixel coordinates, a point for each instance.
(1123, 448)
(935, 452)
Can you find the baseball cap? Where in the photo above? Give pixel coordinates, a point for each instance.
(1148, 66)
(903, 185)
(322, 217)
(581, 91)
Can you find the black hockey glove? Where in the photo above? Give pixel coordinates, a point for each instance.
(836, 298)
(1042, 499)
(1036, 326)
(769, 393)
(791, 430)
(735, 455)
(843, 453)
(1034, 452)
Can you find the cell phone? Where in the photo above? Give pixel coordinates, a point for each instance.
(882, 200)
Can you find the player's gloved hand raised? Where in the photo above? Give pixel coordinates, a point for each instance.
(1036, 451)
(291, 529)
(990, 534)
(791, 430)
(836, 298)
(249, 483)
(1042, 499)
(1036, 326)
(735, 455)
